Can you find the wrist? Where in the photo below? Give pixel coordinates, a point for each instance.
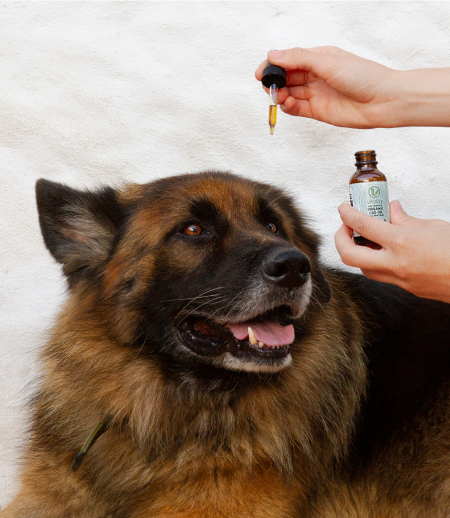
(422, 97)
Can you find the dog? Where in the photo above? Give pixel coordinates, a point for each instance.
(207, 365)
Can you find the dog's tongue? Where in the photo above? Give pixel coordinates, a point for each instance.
(269, 332)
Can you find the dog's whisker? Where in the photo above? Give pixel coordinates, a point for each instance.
(236, 296)
(315, 300)
(269, 190)
(195, 309)
(210, 298)
(277, 198)
(202, 295)
(197, 297)
(227, 305)
(141, 347)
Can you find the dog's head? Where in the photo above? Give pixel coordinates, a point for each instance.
(202, 269)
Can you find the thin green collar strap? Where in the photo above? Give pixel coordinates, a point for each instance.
(100, 429)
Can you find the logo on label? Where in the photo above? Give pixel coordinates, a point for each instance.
(374, 192)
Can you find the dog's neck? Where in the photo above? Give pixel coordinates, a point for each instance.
(276, 419)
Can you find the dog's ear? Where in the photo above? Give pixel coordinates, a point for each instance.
(321, 287)
(78, 226)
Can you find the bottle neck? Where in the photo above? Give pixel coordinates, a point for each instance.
(366, 160)
(366, 166)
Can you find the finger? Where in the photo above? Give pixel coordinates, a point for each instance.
(299, 92)
(356, 255)
(259, 70)
(348, 230)
(298, 89)
(282, 94)
(308, 60)
(397, 214)
(293, 105)
(292, 59)
(367, 226)
(297, 77)
(297, 108)
(344, 236)
(343, 239)
(399, 217)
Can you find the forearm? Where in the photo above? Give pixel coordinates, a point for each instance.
(422, 98)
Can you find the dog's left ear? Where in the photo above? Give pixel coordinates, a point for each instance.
(321, 287)
(78, 226)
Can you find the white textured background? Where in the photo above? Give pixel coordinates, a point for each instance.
(96, 93)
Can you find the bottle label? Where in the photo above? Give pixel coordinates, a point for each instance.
(370, 198)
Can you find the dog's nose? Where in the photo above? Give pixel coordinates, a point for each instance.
(286, 268)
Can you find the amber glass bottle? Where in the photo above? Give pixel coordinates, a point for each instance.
(369, 192)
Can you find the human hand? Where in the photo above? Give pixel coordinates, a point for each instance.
(415, 253)
(334, 86)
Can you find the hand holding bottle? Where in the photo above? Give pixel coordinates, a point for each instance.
(414, 255)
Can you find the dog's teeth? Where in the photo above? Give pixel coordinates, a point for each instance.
(260, 344)
(251, 336)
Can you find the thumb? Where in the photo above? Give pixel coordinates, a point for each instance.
(399, 216)
(296, 59)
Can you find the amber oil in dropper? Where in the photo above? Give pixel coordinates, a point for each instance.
(272, 117)
(273, 107)
(368, 192)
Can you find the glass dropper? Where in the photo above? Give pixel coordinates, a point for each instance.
(273, 101)
(273, 78)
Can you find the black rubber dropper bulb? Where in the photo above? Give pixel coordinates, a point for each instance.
(273, 78)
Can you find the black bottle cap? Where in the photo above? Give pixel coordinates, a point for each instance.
(274, 75)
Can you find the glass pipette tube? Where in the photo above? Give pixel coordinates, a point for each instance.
(273, 101)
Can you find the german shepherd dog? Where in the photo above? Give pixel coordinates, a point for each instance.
(213, 368)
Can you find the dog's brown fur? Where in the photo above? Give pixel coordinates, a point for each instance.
(186, 438)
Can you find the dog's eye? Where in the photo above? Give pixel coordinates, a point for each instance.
(192, 230)
(271, 227)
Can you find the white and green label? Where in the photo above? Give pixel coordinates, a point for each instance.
(371, 198)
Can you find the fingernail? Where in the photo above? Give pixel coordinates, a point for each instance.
(396, 205)
(342, 205)
(275, 54)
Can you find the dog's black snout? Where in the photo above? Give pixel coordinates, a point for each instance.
(286, 268)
